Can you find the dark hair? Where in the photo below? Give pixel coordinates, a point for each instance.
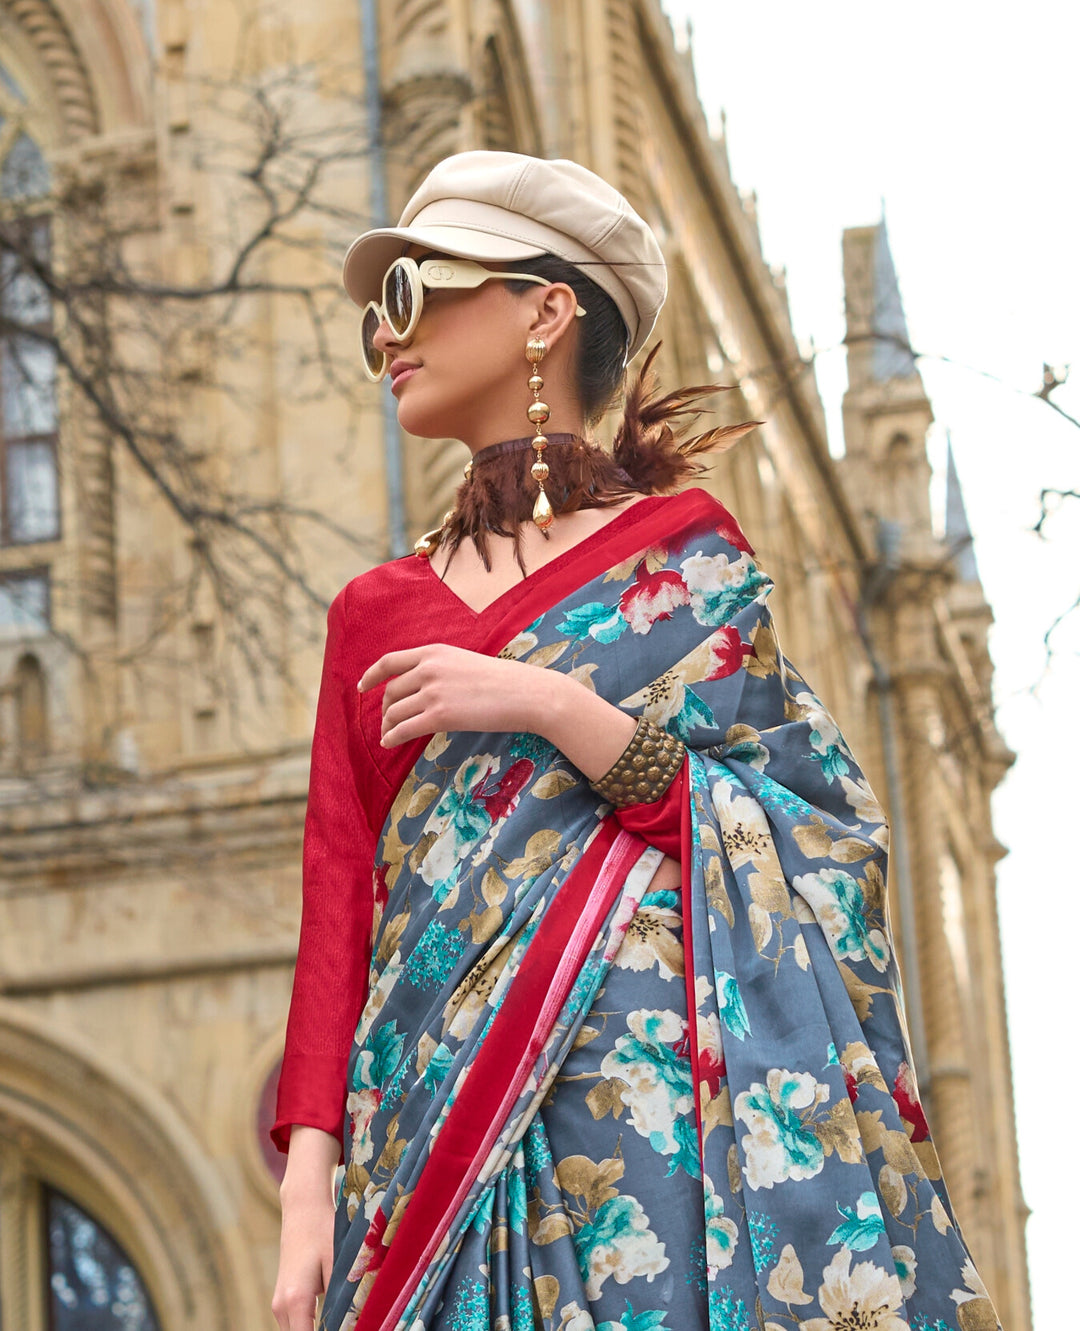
(603, 336)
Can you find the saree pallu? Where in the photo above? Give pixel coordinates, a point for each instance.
(577, 1101)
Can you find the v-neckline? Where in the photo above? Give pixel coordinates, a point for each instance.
(628, 516)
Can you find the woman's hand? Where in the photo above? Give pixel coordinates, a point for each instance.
(437, 688)
(307, 1228)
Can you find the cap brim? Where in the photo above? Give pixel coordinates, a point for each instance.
(369, 256)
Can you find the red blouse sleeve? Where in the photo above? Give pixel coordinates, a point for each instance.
(659, 823)
(330, 984)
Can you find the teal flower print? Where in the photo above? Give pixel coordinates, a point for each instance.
(777, 799)
(517, 1203)
(618, 1242)
(907, 1265)
(763, 1235)
(719, 586)
(534, 747)
(727, 1312)
(458, 821)
(537, 1154)
(378, 1058)
(459, 803)
(483, 1212)
(838, 902)
(605, 623)
(437, 1068)
(862, 1223)
(431, 962)
(825, 738)
(632, 1321)
(732, 1009)
(833, 763)
(666, 900)
(470, 1307)
(692, 713)
(721, 1232)
(688, 1151)
(653, 1062)
(781, 1143)
(695, 1276)
(521, 1310)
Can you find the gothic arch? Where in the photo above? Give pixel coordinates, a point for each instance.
(51, 38)
(119, 1150)
(94, 57)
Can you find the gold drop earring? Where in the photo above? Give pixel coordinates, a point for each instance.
(543, 514)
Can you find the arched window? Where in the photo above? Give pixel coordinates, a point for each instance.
(93, 1285)
(29, 489)
(60, 1266)
(31, 719)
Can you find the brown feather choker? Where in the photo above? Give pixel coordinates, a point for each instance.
(515, 446)
(479, 496)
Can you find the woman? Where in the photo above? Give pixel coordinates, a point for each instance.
(594, 958)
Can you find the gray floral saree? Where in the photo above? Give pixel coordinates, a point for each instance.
(578, 1102)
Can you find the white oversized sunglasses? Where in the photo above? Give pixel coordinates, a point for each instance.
(403, 300)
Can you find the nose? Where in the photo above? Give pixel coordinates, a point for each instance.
(384, 339)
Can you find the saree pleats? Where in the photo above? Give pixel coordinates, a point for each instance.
(577, 1101)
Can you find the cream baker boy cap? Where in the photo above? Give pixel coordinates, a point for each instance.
(502, 207)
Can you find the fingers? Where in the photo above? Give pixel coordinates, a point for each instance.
(307, 1256)
(393, 663)
(396, 716)
(294, 1308)
(433, 660)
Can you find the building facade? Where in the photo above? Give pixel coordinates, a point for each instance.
(192, 467)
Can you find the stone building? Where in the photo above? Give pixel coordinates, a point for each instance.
(235, 473)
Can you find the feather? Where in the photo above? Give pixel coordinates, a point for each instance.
(650, 445)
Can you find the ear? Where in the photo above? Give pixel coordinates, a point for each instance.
(554, 312)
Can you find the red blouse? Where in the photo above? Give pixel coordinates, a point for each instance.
(354, 779)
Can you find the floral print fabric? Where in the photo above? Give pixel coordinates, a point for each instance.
(719, 1128)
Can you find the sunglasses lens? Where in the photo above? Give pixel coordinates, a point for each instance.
(368, 328)
(398, 292)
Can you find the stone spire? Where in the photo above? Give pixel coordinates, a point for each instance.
(886, 410)
(879, 346)
(958, 536)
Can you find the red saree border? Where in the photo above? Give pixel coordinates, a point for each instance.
(517, 1035)
(680, 515)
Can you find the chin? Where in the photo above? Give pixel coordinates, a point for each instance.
(426, 419)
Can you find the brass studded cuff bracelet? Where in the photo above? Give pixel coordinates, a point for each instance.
(644, 769)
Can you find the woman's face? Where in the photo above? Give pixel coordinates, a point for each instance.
(463, 372)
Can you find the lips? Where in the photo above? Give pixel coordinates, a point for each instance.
(400, 370)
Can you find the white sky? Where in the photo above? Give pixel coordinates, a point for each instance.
(963, 121)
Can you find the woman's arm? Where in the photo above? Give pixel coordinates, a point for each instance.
(438, 688)
(330, 982)
(328, 991)
(307, 1227)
